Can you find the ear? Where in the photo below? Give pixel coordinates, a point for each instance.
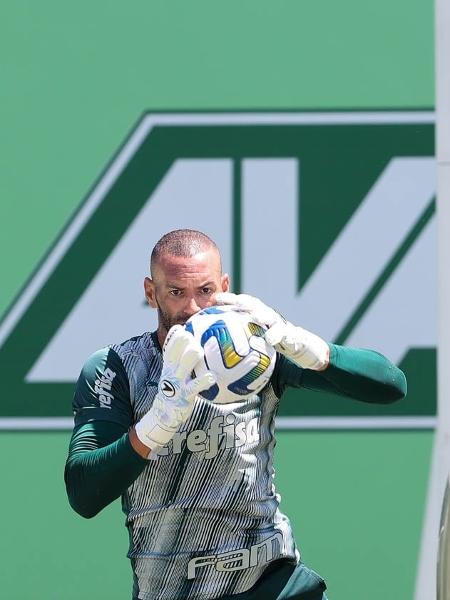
(225, 280)
(149, 288)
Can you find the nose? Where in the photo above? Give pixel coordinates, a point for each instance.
(191, 306)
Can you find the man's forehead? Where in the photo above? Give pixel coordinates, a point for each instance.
(206, 264)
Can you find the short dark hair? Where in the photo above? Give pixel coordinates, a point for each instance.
(181, 242)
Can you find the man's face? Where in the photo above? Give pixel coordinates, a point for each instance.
(181, 286)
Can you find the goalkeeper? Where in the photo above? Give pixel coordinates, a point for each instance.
(202, 524)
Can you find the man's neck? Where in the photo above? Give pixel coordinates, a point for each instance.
(161, 333)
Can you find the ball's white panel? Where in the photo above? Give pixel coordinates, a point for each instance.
(241, 360)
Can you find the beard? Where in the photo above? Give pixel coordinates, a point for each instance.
(167, 321)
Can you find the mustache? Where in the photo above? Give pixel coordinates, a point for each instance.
(181, 320)
(176, 320)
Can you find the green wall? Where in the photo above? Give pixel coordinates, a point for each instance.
(74, 79)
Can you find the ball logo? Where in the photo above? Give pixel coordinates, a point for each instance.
(168, 388)
(235, 351)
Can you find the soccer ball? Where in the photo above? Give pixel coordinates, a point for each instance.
(235, 351)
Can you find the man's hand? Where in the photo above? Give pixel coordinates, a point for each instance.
(304, 348)
(174, 401)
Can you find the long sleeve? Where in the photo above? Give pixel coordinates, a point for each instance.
(100, 466)
(101, 463)
(357, 373)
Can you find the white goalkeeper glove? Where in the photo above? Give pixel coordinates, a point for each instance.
(306, 349)
(174, 401)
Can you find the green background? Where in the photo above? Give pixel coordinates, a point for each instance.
(74, 80)
(355, 155)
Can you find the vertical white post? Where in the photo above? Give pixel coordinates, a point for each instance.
(426, 577)
(443, 573)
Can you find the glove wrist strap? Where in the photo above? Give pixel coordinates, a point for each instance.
(306, 349)
(151, 432)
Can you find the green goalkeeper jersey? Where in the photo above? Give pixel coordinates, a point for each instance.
(203, 512)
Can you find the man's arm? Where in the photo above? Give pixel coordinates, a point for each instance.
(106, 452)
(306, 360)
(101, 465)
(357, 373)
(102, 462)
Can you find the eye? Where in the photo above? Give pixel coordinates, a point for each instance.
(207, 290)
(175, 292)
